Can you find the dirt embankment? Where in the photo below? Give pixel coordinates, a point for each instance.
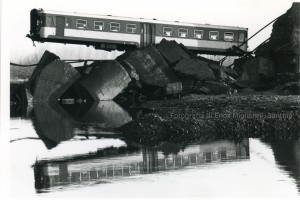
(206, 118)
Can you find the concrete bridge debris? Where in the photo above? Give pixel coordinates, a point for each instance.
(169, 70)
(150, 73)
(53, 80)
(106, 80)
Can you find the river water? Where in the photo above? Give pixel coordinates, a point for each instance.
(71, 151)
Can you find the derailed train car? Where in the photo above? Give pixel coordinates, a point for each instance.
(123, 33)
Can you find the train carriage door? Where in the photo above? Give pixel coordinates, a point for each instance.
(147, 34)
(153, 33)
(60, 26)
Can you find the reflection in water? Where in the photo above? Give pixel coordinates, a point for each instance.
(105, 114)
(54, 124)
(287, 155)
(115, 163)
(97, 164)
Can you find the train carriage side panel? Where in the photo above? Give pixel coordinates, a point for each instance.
(203, 44)
(105, 35)
(71, 33)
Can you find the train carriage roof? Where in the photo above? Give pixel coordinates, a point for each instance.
(141, 20)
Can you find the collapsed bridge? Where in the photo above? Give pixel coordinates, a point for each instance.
(164, 66)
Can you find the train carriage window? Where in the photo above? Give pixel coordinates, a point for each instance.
(228, 36)
(242, 37)
(167, 31)
(80, 23)
(131, 28)
(198, 34)
(68, 22)
(182, 32)
(49, 21)
(115, 27)
(213, 35)
(99, 25)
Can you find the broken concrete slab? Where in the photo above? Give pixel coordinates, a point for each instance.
(223, 75)
(205, 90)
(53, 80)
(130, 70)
(171, 51)
(46, 59)
(173, 88)
(195, 69)
(238, 64)
(290, 88)
(217, 88)
(127, 66)
(105, 81)
(218, 70)
(150, 66)
(231, 72)
(256, 71)
(187, 84)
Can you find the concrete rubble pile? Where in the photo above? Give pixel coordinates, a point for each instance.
(150, 73)
(150, 66)
(276, 62)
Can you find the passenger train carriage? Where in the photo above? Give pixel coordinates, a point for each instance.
(121, 33)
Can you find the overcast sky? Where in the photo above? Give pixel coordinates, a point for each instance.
(252, 14)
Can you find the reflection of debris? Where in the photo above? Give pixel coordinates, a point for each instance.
(106, 114)
(52, 123)
(55, 123)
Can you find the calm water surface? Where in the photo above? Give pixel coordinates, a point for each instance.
(72, 152)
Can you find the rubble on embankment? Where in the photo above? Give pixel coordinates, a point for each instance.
(151, 73)
(205, 118)
(277, 61)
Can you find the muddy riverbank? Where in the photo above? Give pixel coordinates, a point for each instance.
(207, 118)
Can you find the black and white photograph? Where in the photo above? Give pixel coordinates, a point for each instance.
(151, 99)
